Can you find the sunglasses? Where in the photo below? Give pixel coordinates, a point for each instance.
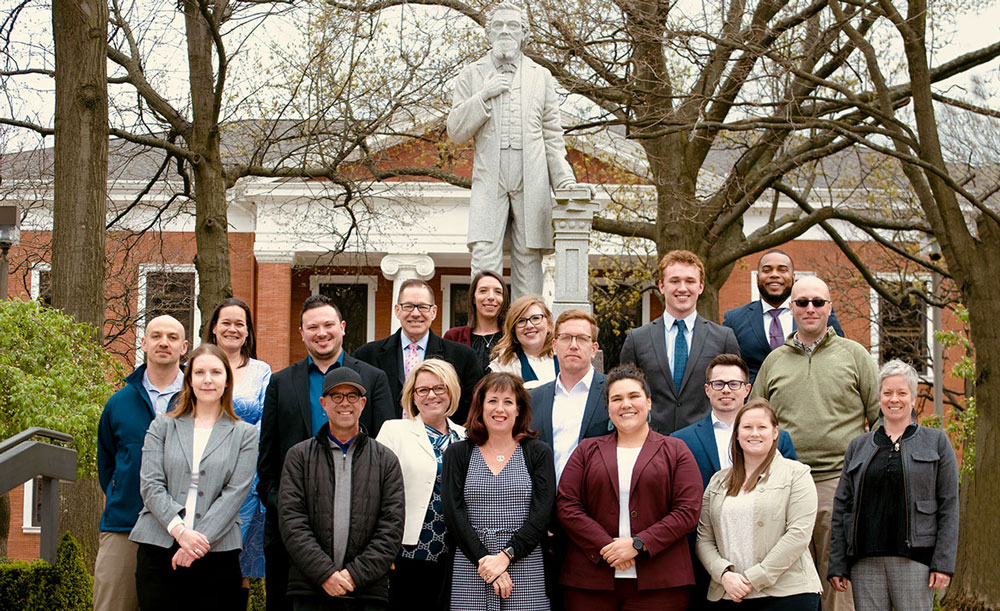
(817, 302)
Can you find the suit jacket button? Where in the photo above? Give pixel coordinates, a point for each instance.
(200, 493)
(197, 516)
(634, 513)
(202, 472)
(760, 523)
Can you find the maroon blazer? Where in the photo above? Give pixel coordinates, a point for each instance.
(462, 335)
(664, 501)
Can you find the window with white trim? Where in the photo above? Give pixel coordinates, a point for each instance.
(168, 289)
(354, 296)
(41, 283)
(901, 332)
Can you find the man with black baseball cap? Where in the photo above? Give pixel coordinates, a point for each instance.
(341, 507)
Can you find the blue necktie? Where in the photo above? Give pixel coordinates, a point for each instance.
(680, 354)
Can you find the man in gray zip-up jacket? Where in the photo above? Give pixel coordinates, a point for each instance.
(341, 507)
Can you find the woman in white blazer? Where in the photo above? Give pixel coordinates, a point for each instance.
(430, 394)
(198, 462)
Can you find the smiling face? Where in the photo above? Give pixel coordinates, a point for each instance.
(230, 329)
(208, 379)
(415, 323)
(164, 342)
(681, 285)
(775, 277)
(810, 320)
(343, 415)
(727, 400)
(323, 333)
(433, 407)
(532, 336)
(488, 298)
(756, 433)
(897, 401)
(628, 406)
(499, 412)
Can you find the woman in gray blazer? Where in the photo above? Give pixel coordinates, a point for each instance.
(198, 462)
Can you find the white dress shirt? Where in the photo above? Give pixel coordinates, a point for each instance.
(785, 318)
(723, 435)
(671, 333)
(568, 407)
(626, 464)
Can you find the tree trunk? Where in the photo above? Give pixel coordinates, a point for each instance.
(212, 230)
(81, 159)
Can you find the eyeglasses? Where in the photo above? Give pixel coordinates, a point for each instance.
(339, 397)
(423, 307)
(732, 384)
(534, 320)
(565, 339)
(423, 391)
(817, 302)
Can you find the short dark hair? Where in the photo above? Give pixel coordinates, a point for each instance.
(318, 301)
(625, 371)
(777, 251)
(727, 360)
(475, 428)
(412, 282)
(249, 348)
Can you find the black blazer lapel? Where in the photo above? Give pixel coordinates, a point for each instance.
(390, 359)
(698, 337)
(300, 380)
(658, 339)
(755, 321)
(593, 400)
(547, 399)
(706, 435)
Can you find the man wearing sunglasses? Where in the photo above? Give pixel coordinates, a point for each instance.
(727, 386)
(824, 389)
(763, 324)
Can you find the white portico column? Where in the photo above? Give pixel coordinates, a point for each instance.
(572, 217)
(402, 267)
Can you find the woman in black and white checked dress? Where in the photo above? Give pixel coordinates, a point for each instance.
(498, 492)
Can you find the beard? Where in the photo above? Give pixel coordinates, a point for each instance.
(506, 48)
(774, 300)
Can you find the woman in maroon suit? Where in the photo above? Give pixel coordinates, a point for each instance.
(627, 501)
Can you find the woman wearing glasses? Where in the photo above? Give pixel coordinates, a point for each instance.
(430, 395)
(488, 301)
(526, 347)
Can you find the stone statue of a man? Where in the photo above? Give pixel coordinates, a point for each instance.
(507, 104)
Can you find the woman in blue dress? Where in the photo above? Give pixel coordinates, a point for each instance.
(231, 328)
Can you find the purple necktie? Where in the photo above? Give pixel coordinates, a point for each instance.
(775, 333)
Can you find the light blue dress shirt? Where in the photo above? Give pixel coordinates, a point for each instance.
(671, 333)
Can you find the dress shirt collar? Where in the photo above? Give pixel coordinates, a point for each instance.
(719, 424)
(422, 342)
(766, 307)
(582, 386)
(689, 320)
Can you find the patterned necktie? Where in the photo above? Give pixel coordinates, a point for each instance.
(775, 333)
(680, 354)
(412, 360)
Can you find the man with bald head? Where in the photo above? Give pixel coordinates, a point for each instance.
(148, 392)
(824, 389)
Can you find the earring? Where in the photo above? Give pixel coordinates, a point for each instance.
(649, 416)
(611, 426)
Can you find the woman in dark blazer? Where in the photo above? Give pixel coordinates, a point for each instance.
(198, 463)
(498, 490)
(488, 301)
(628, 547)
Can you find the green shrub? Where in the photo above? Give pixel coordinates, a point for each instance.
(54, 375)
(40, 586)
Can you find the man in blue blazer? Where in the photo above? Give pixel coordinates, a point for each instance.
(754, 324)
(709, 438)
(571, 407)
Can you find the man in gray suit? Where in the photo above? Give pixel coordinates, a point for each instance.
(674, 351)
(507, 104)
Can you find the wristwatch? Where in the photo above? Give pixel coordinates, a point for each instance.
(638, 544)
(509, 552)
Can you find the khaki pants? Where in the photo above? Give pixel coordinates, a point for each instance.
(114, 574)
(820, 547)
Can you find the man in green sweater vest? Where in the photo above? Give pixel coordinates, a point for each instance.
(824, 389)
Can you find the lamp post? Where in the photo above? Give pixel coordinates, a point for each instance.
(10, 235)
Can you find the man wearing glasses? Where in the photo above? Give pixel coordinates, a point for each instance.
(398, 354)
(727, 386)
(294, 412)
(341, 507)
(824, 389)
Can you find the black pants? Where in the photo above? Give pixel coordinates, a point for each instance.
(418, 585)
(212, 583)
(334, 603)
(275, 567)
(796, 602)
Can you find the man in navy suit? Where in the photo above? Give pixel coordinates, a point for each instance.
(571, 407)
(762, 325)
(709, 439)
(674, 349)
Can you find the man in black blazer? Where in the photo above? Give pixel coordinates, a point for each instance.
(680, 336)
(571, 407)
(754, 324)
(414, 341)
(292, 413)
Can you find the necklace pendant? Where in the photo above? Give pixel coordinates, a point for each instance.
(500, 457)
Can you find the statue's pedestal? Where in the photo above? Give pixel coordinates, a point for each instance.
(572, 218)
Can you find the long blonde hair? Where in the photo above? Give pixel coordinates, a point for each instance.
(506, 349)
(185, 404)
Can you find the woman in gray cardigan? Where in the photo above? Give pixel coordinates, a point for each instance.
(895, 516)
(198, 462)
